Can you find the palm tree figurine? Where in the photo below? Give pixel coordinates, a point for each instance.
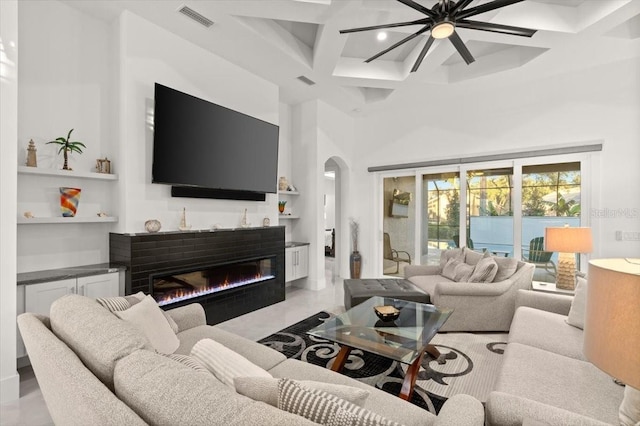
(67, 145)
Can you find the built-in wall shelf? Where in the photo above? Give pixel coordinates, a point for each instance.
(66, 220)
(288, 193)
(65, 173)
(288, 216)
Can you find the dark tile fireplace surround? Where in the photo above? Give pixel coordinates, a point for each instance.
(230, 272)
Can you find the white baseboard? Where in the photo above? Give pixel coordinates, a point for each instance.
(10, 388)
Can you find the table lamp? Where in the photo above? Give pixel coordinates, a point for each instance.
(612, 327)
(567, 242)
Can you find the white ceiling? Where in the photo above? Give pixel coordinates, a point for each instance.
(281, 40)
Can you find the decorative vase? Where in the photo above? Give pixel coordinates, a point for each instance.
(281, 205)
(355, 262)
(69, 199)
(152, 225)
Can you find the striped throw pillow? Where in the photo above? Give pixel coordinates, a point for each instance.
(324, 408)
(189, 361)
(485, 271)
(225, 363)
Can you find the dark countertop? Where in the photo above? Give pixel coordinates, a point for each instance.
(290, 244)
(35, 277)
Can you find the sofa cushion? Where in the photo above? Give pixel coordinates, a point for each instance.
(484, 271)
(189, 361)
(457, 271)
(98, 337)
(578, 304)
(379, 401)
(546, 330)
(164, 392)
(324, 408)
(224, 363)
(559, 381)
(258, 354)
(507, 266)
(457, 254)
(266, 389)
(427, 283)
(148, 318)
(472, 257)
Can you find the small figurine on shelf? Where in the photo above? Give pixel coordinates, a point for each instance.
(244, 223)
(183, 221)
(103, 165)
(283, 184)
(32, 161)
(28, 215)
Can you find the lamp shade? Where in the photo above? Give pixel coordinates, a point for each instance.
(568, 240)
(612, 319)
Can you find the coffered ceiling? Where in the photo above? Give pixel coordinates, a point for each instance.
(281, 40)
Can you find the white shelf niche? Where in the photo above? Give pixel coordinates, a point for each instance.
(65, 220)
(65, 173)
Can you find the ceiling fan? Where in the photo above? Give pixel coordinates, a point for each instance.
(441, 20)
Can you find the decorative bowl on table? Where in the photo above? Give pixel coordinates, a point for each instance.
(387, 313)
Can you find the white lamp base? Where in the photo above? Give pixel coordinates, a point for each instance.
(629, 414)
(566, 275)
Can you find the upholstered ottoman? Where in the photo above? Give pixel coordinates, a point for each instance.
(357, 291)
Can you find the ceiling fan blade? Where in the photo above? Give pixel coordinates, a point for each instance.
(459, 6)
(461, 48)
(422, 54)
(401, 42)
(496, 4)
(495, 28)
(420, 8)
(422, 21)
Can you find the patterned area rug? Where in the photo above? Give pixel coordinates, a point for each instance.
(472, 362)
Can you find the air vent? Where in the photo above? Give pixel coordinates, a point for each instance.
(306, 80)
(192, 14)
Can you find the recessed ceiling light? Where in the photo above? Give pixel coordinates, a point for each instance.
(382, 36)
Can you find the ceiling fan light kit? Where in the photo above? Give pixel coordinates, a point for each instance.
(442, 20)
(442, 30)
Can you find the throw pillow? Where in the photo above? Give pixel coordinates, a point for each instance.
(189, 361)
(323, 408)
(224, 363)
(578, 304)
(265, 389)
(506, 268)
(472, 257)
(484, 271)
(147, 317)
(122, 303)
(463, 272)
(449, 269)
(456, 254)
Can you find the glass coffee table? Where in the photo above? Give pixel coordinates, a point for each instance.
(405, 339)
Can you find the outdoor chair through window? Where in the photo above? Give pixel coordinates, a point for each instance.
(538, 256)
(392, 257)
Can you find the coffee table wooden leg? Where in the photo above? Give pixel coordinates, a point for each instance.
(435, 353)
(410, 378)
(341, 358)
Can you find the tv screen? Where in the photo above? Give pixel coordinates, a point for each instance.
(200, 144)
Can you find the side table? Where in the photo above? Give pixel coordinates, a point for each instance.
(550, 288)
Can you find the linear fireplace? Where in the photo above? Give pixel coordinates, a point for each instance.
(168, 288)
(208, 263)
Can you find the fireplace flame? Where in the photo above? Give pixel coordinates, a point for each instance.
(186, 294)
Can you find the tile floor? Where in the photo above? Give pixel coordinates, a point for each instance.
(30, 409)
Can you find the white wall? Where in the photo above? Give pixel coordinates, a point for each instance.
(150, 54)
(9, 379)
(601, 104)
(65, 81)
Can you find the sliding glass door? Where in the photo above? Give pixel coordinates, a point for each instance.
(398, 224)
(440, 214)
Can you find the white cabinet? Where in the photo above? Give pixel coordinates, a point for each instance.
(296, 262)
(39, 297)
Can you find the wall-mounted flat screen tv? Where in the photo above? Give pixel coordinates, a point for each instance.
(198, 144)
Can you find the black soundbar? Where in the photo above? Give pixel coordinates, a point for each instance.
(219, 194)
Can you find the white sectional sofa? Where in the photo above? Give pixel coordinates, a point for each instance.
(95, 369)
(545, 378)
